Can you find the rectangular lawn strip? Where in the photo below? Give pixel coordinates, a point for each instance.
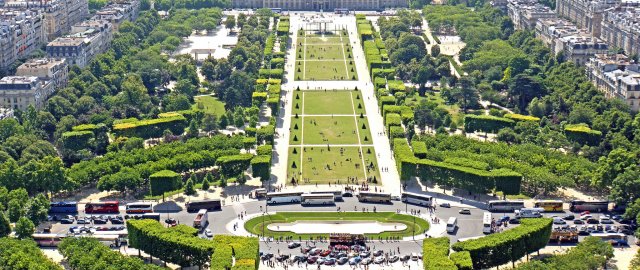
(325, 40)
(324, 165)
(326, 102)
(325, 71)
(255, 225)
(373, 172)
(330, 130)
(295, 137)
(209, 105)
(294, 157)
(365, 134)
(323, 52)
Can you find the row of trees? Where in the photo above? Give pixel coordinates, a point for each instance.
(87, 253)
(590, 253)
(24, 255)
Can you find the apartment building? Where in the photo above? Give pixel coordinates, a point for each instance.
(18, 92)
(586, 14)
(617, 77)
(551, 30)
(621, 28)
(46, 69)
(119, 12)
(579, 48)
(326, 5)
(59, 15)
(92, 38)
(526, 13)
(21, 33)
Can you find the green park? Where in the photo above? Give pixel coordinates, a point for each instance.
(326, 57)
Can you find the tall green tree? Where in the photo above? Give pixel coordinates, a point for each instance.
(24, 228)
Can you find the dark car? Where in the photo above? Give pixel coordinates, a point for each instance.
(282, 257)
(514, 221)
(66, 221)
(504, 219)
(293, 245)
(583, 231)
(593, 221)
(626, 229)
(578, 222)
(342, 260)
(347, 194)
(299, 258)
(569, 217)
(312, 259)
(99, 221)
(405, 258)
(117, 220)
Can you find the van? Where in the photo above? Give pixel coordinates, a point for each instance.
(452, 224)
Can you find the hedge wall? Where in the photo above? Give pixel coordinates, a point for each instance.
(84, 127)
(163, 181)
(462, 260)
(396, 86)
(435, 254)
(179, 245)
(520, 117)
(419, 149)
(77, 140)
(582, 133)
(261, 167)
(405, 161)
(379, 82)
(396, 132)
(150, 128)
(248, 142)
(265, 134)
(244, 249)
(264, 149)
(232, 166)
(486, 123)
(392, 119)
(405, 112)
(386, 101)
(508, 246)
(388, 73)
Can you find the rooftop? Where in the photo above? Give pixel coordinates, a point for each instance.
(42, 62)
(18, 80)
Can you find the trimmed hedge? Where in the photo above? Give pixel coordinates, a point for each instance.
(264, 149)
(520, 117)
(508, 246)
(84, 127)
(419, 149)
(248, 142)
(486, 123)
(386, 100)
(232, 166)
(163, 181)
(150, 128)
(435, 254)
(405, 161)
(77, 140)
(261, 167)
(265, 134)
(84, 253)
(462, 260)
(396, 86)
(392, 119)
(244, 249)
(405, 112)
(396, 132)
(582, 133)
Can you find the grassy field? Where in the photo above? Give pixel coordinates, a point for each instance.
(324, 58)
(336, 165)
(209, 104)
(255, 225)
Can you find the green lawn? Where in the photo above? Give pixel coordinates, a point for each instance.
(324, 58)
(209, 104)
(325, 71)
(330, 130)
(327, 102)
(255, 225)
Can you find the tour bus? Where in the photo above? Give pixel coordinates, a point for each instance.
(284, 197)
(374, 197)
(549, 205)
(341, 10)
(121, 234)
(63, 208)
(47, 239)
(276, 10)
(452, 223)
(529, 212)
(617, 239)
(337, 194)
(211, 205)
(109, 207)
(487, 223)
(505, 206)
(317, 199)
(415, 198)
(592, 206)
(139, 208)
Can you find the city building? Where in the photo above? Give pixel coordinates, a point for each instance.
(621, 28)
(550, 30)
(586, 14)
(617, 77)
(18, 92)
(326, 5)
(59, 15)
(580, 47)
(46, 69)
(92, 38)
(526, 13)
(118, 12)
(21, 33)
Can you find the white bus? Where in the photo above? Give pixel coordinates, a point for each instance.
(318, 199)
(415, 198)
(139, 208)
(284, 197)
(616, 239)
(337, 194)
(452, 223)
(505, 206)
(122, 235)
(47, 239)
(529, 212)
(487, 223)
(374, 197)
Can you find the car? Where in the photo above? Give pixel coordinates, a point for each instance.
(170, 221)
(592, 221)
(569, 217)
(365, 254)
(445, 205)
(378, 253)
(282, 257)
(379, 260)
(117, 220)
(83, 221)
(325, 253)
(626, 229)
(366, 261)
(293, 245)
(208, 232)
(504, 219)
(312, 260)
(330, 261)
(610, 229)
(267, 256)
(394, 258)
(414, 256)
(583, 231)
(465, 211)
(342, 260)
(578, 222)
(617, 217)
(605, 220)
(341, 255)
(306, 250)
(352, 254)
(73, 229)
(315, 251)
(395, 197)
(299, 258)
(347, 194)
(66, 221)
(585, 216)
(405, 258)
(100, 221)
(514, 221)
(559, 221)
(354, 260)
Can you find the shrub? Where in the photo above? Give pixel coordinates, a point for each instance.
(396, 132)
(150, 128)
(386, 100)
(405, 161)
(163, 181)
(234, 165)
(435, 254)
(396, 86)
(77, 140)
(520, 117)
(419, 149)
(265, 134)
(245, 250)
(264, 149)
(462, 260)
(486, 123)
(582, 133)
(260, 167)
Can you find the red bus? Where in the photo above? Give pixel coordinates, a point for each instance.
(109, 207)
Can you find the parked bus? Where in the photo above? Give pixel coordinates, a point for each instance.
(341, 10)
(63, 208)
(593, 206)
(260, 193)
(415, 198)
(211, 205)
(122, 235)
(337, 194)
(139, 208)
(346, 239)
(284, 197)
(202, 219)
(549, 205)
(505, 206)
(47, 239)
(452, 223)
(374, 197)
(529, 212)
(318, 199)
(276, 10)
(618, 239)
(109, 207)
(487, 223)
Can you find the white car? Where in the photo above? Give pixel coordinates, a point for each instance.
(465, 211)
(208, 233)
(585, 217)
(379, 260)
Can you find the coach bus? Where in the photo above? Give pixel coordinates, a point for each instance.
(415, 198)
(341, 11)
(276, 10)
(63, 208)
(139, 208)
(47, 239)
(317, 199)
(284, 197)
(487, 223)
(505, 206)
(211, 205)
(109, 207)
(122, 235)
(618, 239)
(593, 206)
(374, 197)
(337, 194)
(549, 205)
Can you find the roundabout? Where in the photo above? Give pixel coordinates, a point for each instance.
(307, 225)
